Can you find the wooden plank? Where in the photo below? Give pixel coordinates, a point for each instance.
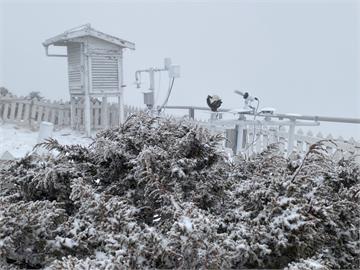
(61, 118)
(72, 112)
(104, 113)
(12, 111)
(2, 105)
(258, 142)
(265, 140)
(6, 112)
(273, 138)
(19, 112)
(53, 113)
(27, 113)
(96, 118)
(34, 109)
(40, 114)
(46, 113)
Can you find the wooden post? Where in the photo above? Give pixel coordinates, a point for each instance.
(72, 112)
(46, 113)
(53, 114)
(5, 112)
(104, 113)
(61, 118)
(12, 111)
(230, 141)
(192, 113)
(87, 116)
(19, 112)
(258, 142)
(40, 114)
(33, 113)
(27, 112)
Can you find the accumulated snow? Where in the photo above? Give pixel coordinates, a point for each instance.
(186, 222)
(19, 141)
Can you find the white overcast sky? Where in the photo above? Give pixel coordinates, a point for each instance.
(297, 56)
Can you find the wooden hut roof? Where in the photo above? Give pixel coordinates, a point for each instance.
(83, 31)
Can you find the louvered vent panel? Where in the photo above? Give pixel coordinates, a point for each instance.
(104, 71)
(74, 64)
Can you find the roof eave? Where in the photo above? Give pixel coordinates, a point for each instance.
(111, 39)
(89, 32)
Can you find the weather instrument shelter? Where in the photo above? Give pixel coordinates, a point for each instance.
(95, 67)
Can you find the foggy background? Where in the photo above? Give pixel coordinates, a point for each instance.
(296, 56)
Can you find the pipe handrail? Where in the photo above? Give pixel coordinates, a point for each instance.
(280, 115)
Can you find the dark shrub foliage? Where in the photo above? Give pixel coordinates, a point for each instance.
(160, 193)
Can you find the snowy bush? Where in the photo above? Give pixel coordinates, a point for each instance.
(4, 91)
(160, 193)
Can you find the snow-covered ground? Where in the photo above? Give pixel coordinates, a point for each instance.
(20, 140)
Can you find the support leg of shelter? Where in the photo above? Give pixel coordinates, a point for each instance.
(121, 108)
(72, 112)
(87, 115)
(104, 113)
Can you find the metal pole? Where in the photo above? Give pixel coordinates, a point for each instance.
(291, 137)
(121, 88)
(87, 115)
(152, 87)
(240, 138)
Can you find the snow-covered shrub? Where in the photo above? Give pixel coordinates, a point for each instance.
(27, 229)
(35, 95)
(4, 91)
(160, 193)
(300, 213)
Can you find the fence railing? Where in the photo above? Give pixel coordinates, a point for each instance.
(249, 137)
(258, 140)
(31, 112)
(240, 137)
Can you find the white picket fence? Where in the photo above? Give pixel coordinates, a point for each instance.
(31, 112)
(289, 138)
(337, 147)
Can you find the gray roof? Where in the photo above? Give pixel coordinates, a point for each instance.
(86, 30)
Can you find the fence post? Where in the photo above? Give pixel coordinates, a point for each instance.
(12, 111)
(19, 112)
(72, 112)
(291, 137)
(258, 142)
(240, 138)
(27, 112)
(282, 139)
(192, 113)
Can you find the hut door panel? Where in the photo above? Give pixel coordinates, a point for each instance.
(74, 72)
(104, 74)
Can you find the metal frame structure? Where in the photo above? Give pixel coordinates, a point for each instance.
(149, 95)
(275, 119)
